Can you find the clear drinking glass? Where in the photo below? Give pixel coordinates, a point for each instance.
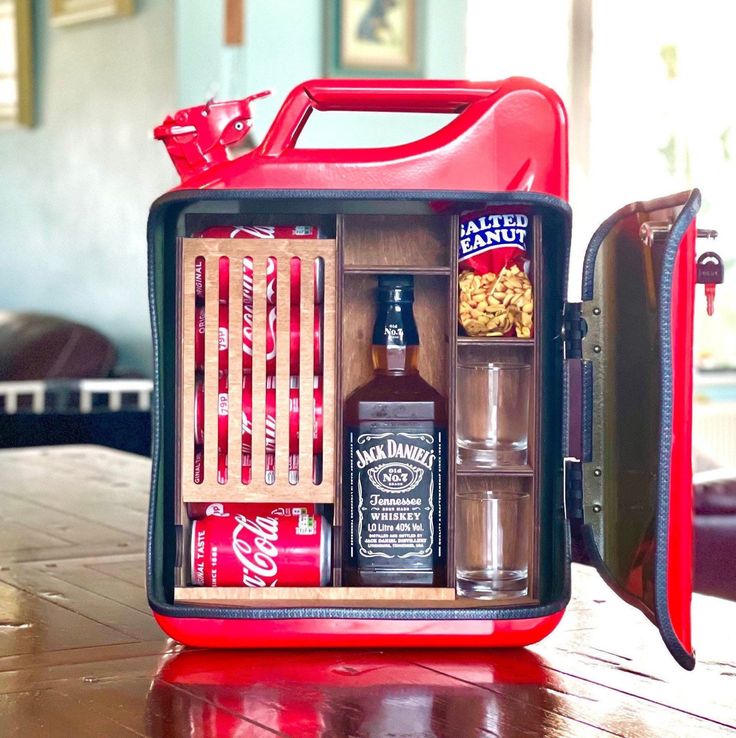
(492, 413)
(492, 543)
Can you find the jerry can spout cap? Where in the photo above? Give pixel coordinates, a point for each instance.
(197, 138)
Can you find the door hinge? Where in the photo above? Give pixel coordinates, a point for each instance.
(574, 490)
(574, 329)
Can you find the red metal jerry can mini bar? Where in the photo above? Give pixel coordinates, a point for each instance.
(264, 275)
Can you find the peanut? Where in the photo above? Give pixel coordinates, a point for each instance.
(495, 304)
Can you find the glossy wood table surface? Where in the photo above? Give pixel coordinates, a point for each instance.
(80, 655)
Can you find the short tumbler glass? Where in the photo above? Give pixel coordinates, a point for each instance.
(492, 543)
(492, 413)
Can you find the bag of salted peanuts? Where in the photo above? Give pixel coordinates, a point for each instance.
(493, 263)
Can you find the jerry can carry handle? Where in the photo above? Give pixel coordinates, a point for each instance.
(387, 96)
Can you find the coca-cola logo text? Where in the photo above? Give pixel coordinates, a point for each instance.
(258, 556)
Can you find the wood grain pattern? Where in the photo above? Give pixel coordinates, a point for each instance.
(258, 489)
(302, 596)
(397, 240)
(432, 303)
(80, 656)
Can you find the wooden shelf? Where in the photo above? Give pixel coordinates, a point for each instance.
(398, 269)
(494, 341)
(321, 493)
(494, 471)
(364, 597)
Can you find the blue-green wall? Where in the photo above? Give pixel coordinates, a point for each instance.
(75, 190)
(283, 46)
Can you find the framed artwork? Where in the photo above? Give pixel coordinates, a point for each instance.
(66, 12)
(16, 63)
(373, 38)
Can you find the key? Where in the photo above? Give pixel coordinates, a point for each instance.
(709, 273)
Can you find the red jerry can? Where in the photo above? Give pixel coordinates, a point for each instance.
(240, 424)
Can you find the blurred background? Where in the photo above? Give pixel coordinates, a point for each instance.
(84, 82)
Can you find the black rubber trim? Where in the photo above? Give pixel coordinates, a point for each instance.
(460, 201)
(661, 616)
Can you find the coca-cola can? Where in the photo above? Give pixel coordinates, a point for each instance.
(248, 282)
(260, 231)
(196, 510)
(222, 465)
(317, 464)
(271, 340)
(198, 474)
(294, 340)
(224, 283)
(294, 332)
(318, 342)
(271, 280)
(318, 424)
(294, 416)
(223, 336)
(319, 281)
(248, 340)
(199, 278)
(270, 430)
(199, 410)
(223, 412)
(253, 549)
(296, 282)
(246, 430)
(271, 266)
(199, 333)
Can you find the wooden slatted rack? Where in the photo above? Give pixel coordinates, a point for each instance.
(232, 489)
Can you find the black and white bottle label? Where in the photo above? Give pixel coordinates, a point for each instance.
(394, 489)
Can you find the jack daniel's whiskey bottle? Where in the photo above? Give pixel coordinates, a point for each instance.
(395, 459)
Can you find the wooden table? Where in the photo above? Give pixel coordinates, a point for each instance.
(80, 654)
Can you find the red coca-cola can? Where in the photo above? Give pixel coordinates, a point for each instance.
(294, 332)
(294, 415)
(271, 340)
(223, 412)
(296, 282)
(260, 231)
(253, 549)
(294, 340)
(223, 336)
(271, 266)
(270, 430)
(317, 465)
(319, 281)
(224, 279)
(246, 430)
(248, 282)
(196, 510)
(248, 340)
(199, 410)
(271, 280)
(318, 342)
(293, 468)
(198, 474)
(199, 334)
(199, 278)
(318, 424)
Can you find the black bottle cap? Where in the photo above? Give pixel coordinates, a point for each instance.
(396, 288)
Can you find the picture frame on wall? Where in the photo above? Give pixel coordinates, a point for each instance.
(16, 64)
(67, 12)
(373, 38)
